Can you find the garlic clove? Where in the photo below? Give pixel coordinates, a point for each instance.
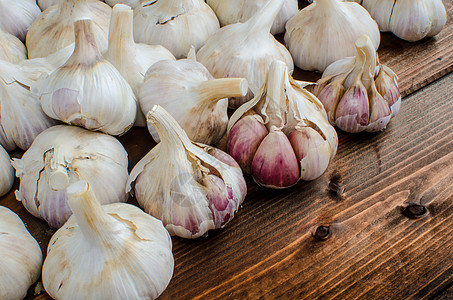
(353, 111)
(6, 172)
(312, 151)
(325, 31)
(244, 139)
(245, 50)
(411, 23)
(20, 257)
(17, 16)
(187, 90)
(62, 155)
(54, 28)
(438, 16)
(380, 112)
(329, 96)
(11, 48)
(112, 251)
(130, 59)
(175, 24)
(387, 86)
(275, 165)
(87, 90)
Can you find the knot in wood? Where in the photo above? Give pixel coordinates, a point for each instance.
(415, 211)
(322, 232)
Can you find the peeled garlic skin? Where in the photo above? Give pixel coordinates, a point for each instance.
(274, 164)
(20, 257)
(318, 36)
(85, 155)
(139, 268)
(244, 139)
(176, 25)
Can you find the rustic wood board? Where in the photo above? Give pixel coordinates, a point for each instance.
(374, 251)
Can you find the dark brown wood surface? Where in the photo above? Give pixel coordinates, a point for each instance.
(373, 249)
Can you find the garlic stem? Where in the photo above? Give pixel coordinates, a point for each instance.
(94, 222)
(169, 131)
(275, 94)
(367, 59)
(57, 173)
(263, 19)
(86, 50)
(121, 36)
(217, 89)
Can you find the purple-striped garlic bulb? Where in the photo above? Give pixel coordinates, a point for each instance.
(65, 154)
(359, 93)
(282, 135)
(191, 187)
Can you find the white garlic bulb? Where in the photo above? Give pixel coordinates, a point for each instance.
(131, 59)
(20, 257)
(64, 154)
(197, 101)
(21, 116)
(130, 3)
(54, 28)
(11, 48)
(197, 187)
(113, 252)
(175, 24)
(358, 92)
(282, 135)
(6, 172)
(234, 11)
(87, 90)
(246, 50)
(325, 31)
(410, 20)
(17, 16)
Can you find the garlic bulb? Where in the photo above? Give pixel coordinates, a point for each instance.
(113, 251)
(197, 101)
(17, 16)
(20, 257)
(21, 116)
(410, 20)
(245, 50)
(230, 12)
(54, 28)
(11, 48)
(63, 154)
(197, 187)
(325, 31)
(130, 3)
(6, 173)
(282, 135)
(174, 24)
(87, 90)
(131, 59)
(358, 93)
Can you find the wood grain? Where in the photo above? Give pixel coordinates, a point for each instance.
(373, 251)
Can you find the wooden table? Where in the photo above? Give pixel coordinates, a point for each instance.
(374, 245)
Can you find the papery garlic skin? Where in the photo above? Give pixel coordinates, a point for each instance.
(6, 172)
(282, 135)
(230, 12)
(131, 3)
(87, 90)
(245, 50)
(21, 116)
(325, 31)
(130, 59)
(20, 257)
(113, 251)
(358, 93)
(17, 16)
(410, 20)
(197, 101)
(64, 154)
(197, 188)
(54, 28)
(11, 48)
(175, 24)
(44, 4)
